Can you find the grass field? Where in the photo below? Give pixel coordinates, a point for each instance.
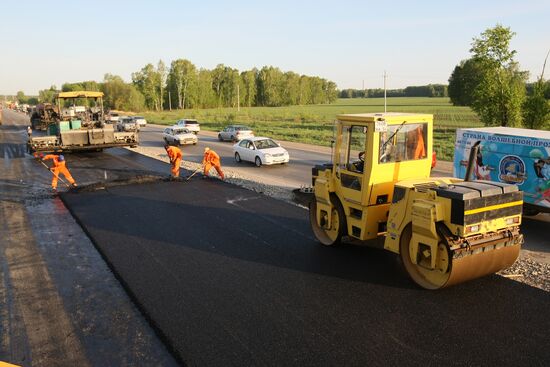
(313, 124)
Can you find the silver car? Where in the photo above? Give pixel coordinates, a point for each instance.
(179, 136)
(127, 124)
(140, 120)
(235, 133)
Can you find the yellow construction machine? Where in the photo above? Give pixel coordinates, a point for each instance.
(378, 191)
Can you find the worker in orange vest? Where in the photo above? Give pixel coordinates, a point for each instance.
(420, 150)
(58, 168)
(174, 153)
(211, 159)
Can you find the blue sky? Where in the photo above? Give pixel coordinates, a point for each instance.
(416, 42)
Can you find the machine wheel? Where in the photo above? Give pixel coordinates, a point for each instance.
(258, 162)
(233, 139)
(423, 276)
(220, 137)
(237, 157)
(332, 236)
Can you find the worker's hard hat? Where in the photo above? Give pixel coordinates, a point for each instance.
(61, 158)
(206, 149)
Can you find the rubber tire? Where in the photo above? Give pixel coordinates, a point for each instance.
(258, 161)
(166, 141)
(238, 157)
(233, 139)
(220, 137)
(319, 233)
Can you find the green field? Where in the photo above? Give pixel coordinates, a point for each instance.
(313, 123)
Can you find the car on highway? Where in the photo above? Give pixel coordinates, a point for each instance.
(179, 136)
(235, 133)
(127, 124)
(140, 120)
(260, 151)
(190, 124)
(112, 118)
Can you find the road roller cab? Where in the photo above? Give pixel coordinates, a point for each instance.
(378, 191)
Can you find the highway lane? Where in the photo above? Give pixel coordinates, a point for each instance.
(294, 174)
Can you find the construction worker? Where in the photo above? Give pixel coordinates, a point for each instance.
(58, 168)
(174, 153)
(211, 159)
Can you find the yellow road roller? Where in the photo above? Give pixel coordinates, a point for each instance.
(378, 191)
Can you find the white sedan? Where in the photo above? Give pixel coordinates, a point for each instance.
(260, 151)
(179, 136)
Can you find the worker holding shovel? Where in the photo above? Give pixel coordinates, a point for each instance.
(211, 159)
(58, 168)
(174, 153)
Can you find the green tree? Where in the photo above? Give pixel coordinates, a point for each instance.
(22, 98)
(161, 76)
(270, 84)
(463, 81)
(248, 90)
(205, 96)
(120, 95)
(500, 94)
(182, 82)
(47, 95)
(536, 108)
(147, 81)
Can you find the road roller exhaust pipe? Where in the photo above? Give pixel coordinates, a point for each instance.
(471, 160)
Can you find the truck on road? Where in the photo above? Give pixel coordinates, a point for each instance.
(77, 123)
(509, 155)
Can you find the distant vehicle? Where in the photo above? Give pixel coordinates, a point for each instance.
(235, 133)
(140, 120)
(112, 118)
(127, 124)
(179, 136)
(190, 124)
(260, 151)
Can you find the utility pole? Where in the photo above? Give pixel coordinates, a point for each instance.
(238, 98)
(385, 77)
(169, 101)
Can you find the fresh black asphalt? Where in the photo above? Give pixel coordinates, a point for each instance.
(230, 277)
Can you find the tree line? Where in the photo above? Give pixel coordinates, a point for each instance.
(183, 85)
(430, 90)
(492, 83)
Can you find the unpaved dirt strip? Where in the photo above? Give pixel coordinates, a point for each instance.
(59, 303)
(49, 331)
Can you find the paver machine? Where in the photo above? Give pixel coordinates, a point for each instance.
(77, 123)
(378, 191)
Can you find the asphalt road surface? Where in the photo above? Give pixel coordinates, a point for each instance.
(230, 277)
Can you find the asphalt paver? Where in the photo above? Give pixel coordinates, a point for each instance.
(231, 277)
